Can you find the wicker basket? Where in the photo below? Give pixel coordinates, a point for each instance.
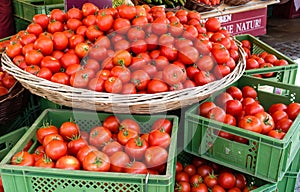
(200, 7)
(132, 103)
(12, 104)
(236, 2)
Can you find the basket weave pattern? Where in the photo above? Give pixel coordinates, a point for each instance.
(108, 102)
(199, 7)
(236, 2)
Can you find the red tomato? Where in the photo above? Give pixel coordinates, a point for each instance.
(203, 77)
(162, 124)
(241, 181)
(277, 107)
(68, 162)
(41, 19)
(205, 107)
(99, 135)
(159, 138)
(249, 92)
(233, 107)
(45, 130)
(155, 156)
(55, 149)
(23, 158)
(211, 180)
(157, 86)
(76, 144)
(204, 170)
(278, 115)
(111, 147)
(267, 122)
(283, 124)
(118, 161)
(235, 92)
(130, 124)
(104, 22)
(125, 135)
(188, 55)
(44, 44)
(220, 53)
(227, 180)
(96, 161)
(182, 186)
(251, 123)
(293, 110)
(113, 85)
(51, 63)
(222, 99)
(33, 57)
(84, 151)
(179, 167)
(172, 74)
(278, 134)
(136, 167)
(45, 162)
(136, 147)
(44, 73)
(53, 136)
(217, 114)
(61, 78)
(253, 109)
(251, 63)
(212, 24)
(68, 130)
(181, 176)
(112, 123)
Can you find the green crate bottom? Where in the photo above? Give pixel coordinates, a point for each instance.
(289, 183)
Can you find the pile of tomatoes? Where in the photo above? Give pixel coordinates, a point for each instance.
(241, 108)
(127, 50)
(200, 175)
(7, 81)
(261, 60)
(116, 146)
(210, 2)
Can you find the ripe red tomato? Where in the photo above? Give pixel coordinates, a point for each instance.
(76, 144)
(241, 181)
(136, 167)
(220, 53)
(136, 147)
(267, 122)
(155, 156)
(188, 55)
(227, 180)
(61, 78)
(44, 44)
(45, 130)
(217, 114)
(68, 130)
(157, 86)
(278, 115)
(23, 158)
(162, 124)
(221, 99)
(99, 135)
(118, 161)
(55, 149)
(84, 151)
(278, 134)
(293, 110)
(179, 167)
(283, 124)
(96, 161)
(276, 107)
(204, 170)
(251, 63)
(203, 77)
(112, 123)
(45, 162)
(51, 63)
(251, 123)
(44, 73)
(104, 22)
(159, 138)
(68, 162)
(33, 57)
(113, 85)
(53, 136)
(41, 19)
(211, 180)
(234, 107)
(205, 107)
(212, 24)
(111, 147)
(125, 135)
(205, 63)
(235, 92)
(172, 74)
(253, 108)
(249, 92)
(182, 186)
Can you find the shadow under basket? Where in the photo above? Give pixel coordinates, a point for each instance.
(12, 103)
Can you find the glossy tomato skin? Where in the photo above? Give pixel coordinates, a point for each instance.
(68, 162)
(96, 161)
(45, 130)
(293, 110)
(99, 135)
(55, 149)
(284, 124)
(82, 153)
(155, 156)
(251, 123)
(136, 167)
(76, 144)
(267, 122)
(227, 180)
(136, 147)
(162, 124)
(278, 134)
(23, 158)
(112, 147)
(112, 123)
(277, 107)
(118, 161)
(68, 130)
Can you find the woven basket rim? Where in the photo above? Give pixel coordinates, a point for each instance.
(103, 101)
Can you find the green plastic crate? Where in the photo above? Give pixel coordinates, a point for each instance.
(8, 141)
(32, 179)
(263, 186)
(295, 165)
(264, 157)
(284, 74)
(29, 114)
(20, 24)
(26, 9)
(288, 183)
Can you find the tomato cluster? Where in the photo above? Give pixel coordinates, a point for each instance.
(116, 146)
(261, 60)
(200, 175)
(210, 2)
(240, 107)
(7, 81)
(128, 49)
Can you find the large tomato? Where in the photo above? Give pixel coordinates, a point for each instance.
(235, 92)
(45, 130)
(68, 130)
(33, 57)
(212, 24)
(96, 161)
(125, 135)
(251, 123)
(136, 167)
(55, 149)
(172, 74)
(104, 22)
(112, 123)
(44, 44)
(293, 110)
(23, 158)
(217, 114)
(249, 92)
(220, 53)
(222, 99)
(159, 138)
(162, 124)
(99, 135)
(278, 134)
(234, 107)
(51, 63)
(188, 55)
(205, 63)
(84, 151)
(267, 122)
(113, 85)
(76, 144)
(140, 79)
(112, 147)
(45, 162)
(227, 180)
(276, 107)
(53, 136)
(284, 124)
(118, 161)
(136, 147)
(68, 162)
(155, 156)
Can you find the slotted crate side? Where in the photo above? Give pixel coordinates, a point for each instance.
(284, 74)
(264, 157)
(20, 24)
(26, 9)
(186, 158)
(288, 183)
(30, 179)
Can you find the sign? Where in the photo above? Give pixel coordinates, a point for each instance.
(249, 22)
